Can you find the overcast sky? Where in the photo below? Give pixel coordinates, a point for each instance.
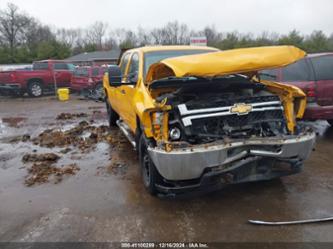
(254, 16)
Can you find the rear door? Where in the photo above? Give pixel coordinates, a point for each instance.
(323, 68)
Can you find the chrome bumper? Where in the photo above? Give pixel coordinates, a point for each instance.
(190, 163)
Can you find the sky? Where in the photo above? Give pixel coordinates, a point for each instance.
(245, 16)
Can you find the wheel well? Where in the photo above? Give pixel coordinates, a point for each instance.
(35, 80)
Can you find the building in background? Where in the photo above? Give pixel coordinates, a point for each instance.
(97, 58)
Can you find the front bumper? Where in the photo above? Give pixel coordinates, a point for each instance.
(10, 86)
(194, 162)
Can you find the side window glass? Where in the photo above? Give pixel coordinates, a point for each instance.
(299, 71)
(60, 66)
(133, 68)
(323, 67)
(124, 63)
(95, 72)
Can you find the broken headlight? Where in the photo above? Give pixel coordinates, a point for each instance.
(175, 134)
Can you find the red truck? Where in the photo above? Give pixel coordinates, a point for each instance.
(37, 81)
(89, 79)
(314, 75)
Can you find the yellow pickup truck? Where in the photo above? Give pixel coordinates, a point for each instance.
(201, 118)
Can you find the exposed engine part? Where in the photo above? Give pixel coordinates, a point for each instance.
(225, 108)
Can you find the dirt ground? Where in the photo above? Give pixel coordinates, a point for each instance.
(104, 199)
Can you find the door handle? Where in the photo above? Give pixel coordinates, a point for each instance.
(123, 91)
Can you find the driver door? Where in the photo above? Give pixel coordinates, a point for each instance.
(126, 92)
(115, 95)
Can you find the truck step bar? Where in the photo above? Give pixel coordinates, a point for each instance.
(127, 132)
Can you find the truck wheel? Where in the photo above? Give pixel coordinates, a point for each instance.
(99, 91)
(35, 89)
(112, 115)
(149, 173)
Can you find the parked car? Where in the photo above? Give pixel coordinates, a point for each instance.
(46, 75)
(89, 79)
(314, 75)
(199, 118)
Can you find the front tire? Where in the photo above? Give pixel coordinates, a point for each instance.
(35, 89)
(149, 173)
(112, 115)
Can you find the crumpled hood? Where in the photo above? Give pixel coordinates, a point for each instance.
(227, 62)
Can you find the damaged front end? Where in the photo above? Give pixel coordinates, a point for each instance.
(225, 130)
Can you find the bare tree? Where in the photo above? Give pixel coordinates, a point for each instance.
(95, 34)
(12, 24)
(143, 37)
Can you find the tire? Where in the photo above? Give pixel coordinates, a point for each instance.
(99, 91)
(149, 173)
(330, 121)
(35, 89)
(112, 115)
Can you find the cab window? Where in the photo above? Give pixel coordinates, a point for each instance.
(40, 66)
(133, 70)
(60, 66)
(123, 64)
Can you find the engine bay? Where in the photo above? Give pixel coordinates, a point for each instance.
(235, 107)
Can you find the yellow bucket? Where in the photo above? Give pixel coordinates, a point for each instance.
(63, 94)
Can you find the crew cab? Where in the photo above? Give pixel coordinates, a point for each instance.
(314, 75)
(45, 75)
(200, 118)
(89, 79)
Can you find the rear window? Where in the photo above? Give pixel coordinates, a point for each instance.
(323, 67)
(299, 71)
(81, 72)
(40, 66)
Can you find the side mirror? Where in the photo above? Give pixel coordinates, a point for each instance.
(115, 76)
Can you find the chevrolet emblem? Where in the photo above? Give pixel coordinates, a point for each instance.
(241, 109)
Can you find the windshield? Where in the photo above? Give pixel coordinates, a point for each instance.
(154, 57)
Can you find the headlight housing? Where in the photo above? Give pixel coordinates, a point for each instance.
(175, 134)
